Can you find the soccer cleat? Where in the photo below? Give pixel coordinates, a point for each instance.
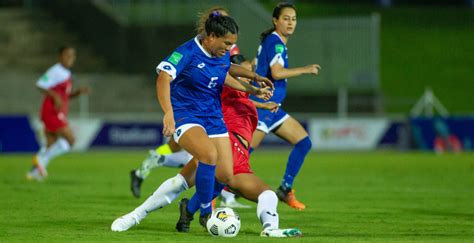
(203, 220)
(125, 222)
(34, 175)
(136, 183)
(42, 171)
(288, 196)
(185, 217)
(281, 233)
(233, 204)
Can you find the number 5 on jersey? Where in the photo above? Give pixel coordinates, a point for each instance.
(213, 83)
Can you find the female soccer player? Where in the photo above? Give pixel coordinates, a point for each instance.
(188, 88)
(241, 119)
(272, 62)
(170, 154)
(56, 85)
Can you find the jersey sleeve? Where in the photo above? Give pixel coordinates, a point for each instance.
(275, 53)
(51, 78)
(175, 63)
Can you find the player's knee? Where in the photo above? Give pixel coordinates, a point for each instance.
(226, 178)
(209, 156)
(304, 144)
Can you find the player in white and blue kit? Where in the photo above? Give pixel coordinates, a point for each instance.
(189, 86)
(272, 62)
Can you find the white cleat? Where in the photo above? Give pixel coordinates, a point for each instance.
(281, 233)
(34, 175)
(233, 204)
(125, 222)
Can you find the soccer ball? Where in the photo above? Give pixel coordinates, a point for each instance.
(224, 222)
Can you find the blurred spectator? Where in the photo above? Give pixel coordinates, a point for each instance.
(444, 140)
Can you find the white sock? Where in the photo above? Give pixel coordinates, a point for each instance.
(227, 196)
(178, 159)
(61, 146)
(267, 209)
(164, 195)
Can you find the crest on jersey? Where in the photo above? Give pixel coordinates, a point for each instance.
(175, 57)
(279, 48)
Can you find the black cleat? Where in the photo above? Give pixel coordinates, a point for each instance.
(282, 193)
(136, 183)
(185, 217)
(203, 220)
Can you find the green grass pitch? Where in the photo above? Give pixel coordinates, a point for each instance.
(365, 197)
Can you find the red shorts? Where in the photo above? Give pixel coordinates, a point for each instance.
(240, 156)
(53, 121)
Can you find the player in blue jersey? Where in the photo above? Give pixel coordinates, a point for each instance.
(188, 87)
(272, 62)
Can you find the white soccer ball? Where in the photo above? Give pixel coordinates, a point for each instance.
(224, 222)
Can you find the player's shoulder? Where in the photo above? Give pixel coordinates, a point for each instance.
(58, 70)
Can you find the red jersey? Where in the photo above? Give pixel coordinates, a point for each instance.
(58, 79)
(240, 114)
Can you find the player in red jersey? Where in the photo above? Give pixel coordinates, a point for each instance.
(56, 85)
(240, 116)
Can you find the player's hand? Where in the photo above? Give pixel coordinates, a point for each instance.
(168, 124)
(312, 69)
(264, 81)
(271, 106)
(85, 90)
(264, 93)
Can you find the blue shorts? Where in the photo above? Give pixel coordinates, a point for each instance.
(267, 121)
(214, 127)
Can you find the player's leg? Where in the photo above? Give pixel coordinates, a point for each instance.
(169, 154)
(167, 192)
(293, 132)
(38, 172)
(196, 141)
(257, 138)
(253, 188)
(59, 142)
(229, 199)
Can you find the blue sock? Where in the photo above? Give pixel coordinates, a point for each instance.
(295, 161)
(251, 149)
(204, 189)
(217, 189)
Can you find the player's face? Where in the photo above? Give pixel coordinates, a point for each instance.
(286, 23)
(68, 57)
(219, 46)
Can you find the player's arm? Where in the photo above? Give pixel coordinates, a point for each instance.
(280, 72)
(271, 106)
(164, 98)
(58, 103)
(239, 71)
(79, 91)
(263, 93)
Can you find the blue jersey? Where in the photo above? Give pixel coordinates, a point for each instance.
(272, 50)
(197, 79)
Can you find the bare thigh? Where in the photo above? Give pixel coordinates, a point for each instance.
(189, 172)
(291, 131)
(198, 144)
(225, 164)
(249, 186)
(66, 132)
(174, 146)
(257, 138)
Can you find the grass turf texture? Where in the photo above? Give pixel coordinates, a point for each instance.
(381, 196)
